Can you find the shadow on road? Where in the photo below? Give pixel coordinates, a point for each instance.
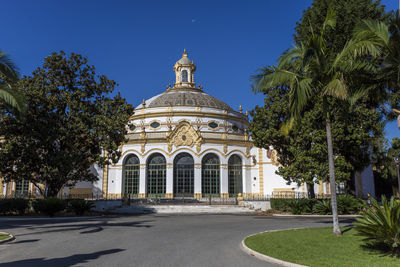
(85, 228)
(26, 241)
(61, 262)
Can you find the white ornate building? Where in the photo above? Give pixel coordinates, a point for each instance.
(184, 142)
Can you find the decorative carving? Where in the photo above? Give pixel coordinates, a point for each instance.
(225, 148)
(198, 147)
(197, 165)
(184, 135)
(248, 148)
(143, 147)
(272, 154)
(169, 146)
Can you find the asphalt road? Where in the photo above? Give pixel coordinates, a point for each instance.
(148, 240)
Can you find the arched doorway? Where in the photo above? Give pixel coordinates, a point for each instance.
(183, 175)
(156, 175)
(210, 175)
(235, 175)
(131, 172)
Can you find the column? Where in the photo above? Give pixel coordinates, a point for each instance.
(142, 181)
(170, 181)
(1, 186)
(197, 180)
(224, 181)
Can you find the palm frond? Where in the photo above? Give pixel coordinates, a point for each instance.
(353, 65)
(286, 59)
(299, 95)
(336, 88)
(8, 68)
(330, 20)
(12, 98)
(369, 37)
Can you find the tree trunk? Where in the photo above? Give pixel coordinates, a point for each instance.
(52, 191)
(359, 184)
(310, 190)
(332, 180)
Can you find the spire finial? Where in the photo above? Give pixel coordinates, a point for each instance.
(240, 109)
(184, 53)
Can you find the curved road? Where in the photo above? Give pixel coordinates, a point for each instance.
(148, 240)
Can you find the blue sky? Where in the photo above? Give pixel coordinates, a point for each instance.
(136, 43)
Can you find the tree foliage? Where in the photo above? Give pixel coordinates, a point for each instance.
(356, 130)
(72, 123)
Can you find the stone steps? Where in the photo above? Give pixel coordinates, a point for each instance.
(187, 209)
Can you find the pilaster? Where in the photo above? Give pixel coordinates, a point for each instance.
(170, 180)
(197, 180)
(224, 179)
(142, 181)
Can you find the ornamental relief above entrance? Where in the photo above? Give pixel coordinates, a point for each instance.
(184, 135)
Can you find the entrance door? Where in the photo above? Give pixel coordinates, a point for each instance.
(156, 176)
(235, 175)
(210, 175)
(183, 175)
(131, 176)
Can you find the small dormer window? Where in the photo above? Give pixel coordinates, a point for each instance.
(184, 76)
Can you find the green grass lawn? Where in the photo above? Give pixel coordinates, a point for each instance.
(3, 236)
(319, 247)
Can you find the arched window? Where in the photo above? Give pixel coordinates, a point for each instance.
(156, 175)
(184, 76)
(235, 175)
(131, 174)
(183, 175)
(21, 188)
(210, 175)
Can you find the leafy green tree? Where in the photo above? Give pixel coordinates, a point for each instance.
(356, 130)
(9, 93)
(72, 123)
(314, 70)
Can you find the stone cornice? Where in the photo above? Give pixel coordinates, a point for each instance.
(188, 113)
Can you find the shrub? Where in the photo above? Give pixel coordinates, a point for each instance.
(5, 206)
(19, 205)
(293, 205)
(381, 225)
(348, 204)
(280, 204)
(49, 206)
(80, 206)
(323, 207)
(13, 205)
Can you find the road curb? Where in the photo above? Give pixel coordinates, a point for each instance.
(10, 238)
(315, 216)
(268, 258)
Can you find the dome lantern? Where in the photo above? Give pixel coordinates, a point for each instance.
(184, 71)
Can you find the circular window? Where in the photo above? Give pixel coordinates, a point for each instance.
(183, 137)
(213, 125)
(154, 124)
(132, 127)
(235, 128)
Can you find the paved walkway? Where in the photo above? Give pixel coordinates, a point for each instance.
(148, 240)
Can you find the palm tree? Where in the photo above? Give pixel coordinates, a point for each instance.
(312, 70)
(9, 75)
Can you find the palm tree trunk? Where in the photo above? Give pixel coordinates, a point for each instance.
(332, 180)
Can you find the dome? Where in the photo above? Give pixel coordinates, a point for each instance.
(184, 60)
(186, 98)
